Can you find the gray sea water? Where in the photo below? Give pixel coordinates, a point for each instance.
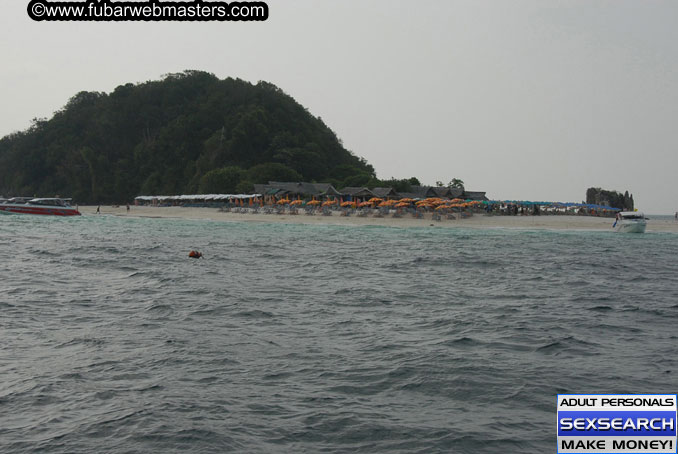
(292, 338)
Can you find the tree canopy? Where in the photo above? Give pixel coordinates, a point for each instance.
(614, 199)
(189, 132)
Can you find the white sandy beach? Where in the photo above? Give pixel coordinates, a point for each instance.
(479, 221)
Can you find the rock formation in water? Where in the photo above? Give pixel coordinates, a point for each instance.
(614, 199)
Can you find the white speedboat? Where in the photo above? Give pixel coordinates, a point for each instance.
(630, 222)
(50, 207)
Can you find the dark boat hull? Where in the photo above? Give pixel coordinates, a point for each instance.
(39, 210)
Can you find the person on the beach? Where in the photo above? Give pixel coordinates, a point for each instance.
(128, 207)
(99, 209)
(617, 218)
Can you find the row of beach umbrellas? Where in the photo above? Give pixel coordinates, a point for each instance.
(429, 203)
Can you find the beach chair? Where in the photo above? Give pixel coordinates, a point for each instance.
(327, 211)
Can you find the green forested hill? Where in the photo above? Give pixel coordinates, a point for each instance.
(190, 132)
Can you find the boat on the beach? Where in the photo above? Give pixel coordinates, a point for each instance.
(42, 206)
(630, 222)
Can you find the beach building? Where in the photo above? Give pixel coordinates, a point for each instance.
(475, 195)
(386, 193)
(277, 189)
(424, 192)
(444, 192)
(357, 193)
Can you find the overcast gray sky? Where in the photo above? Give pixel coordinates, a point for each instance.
(533, 100)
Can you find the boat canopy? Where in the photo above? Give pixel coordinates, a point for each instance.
(632, 215)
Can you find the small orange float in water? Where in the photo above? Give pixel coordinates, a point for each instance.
(195, 254)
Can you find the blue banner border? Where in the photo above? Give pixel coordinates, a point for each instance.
(612, 394)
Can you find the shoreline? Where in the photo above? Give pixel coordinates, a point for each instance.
(477, 221)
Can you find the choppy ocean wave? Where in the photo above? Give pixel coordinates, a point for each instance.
(291, 338)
